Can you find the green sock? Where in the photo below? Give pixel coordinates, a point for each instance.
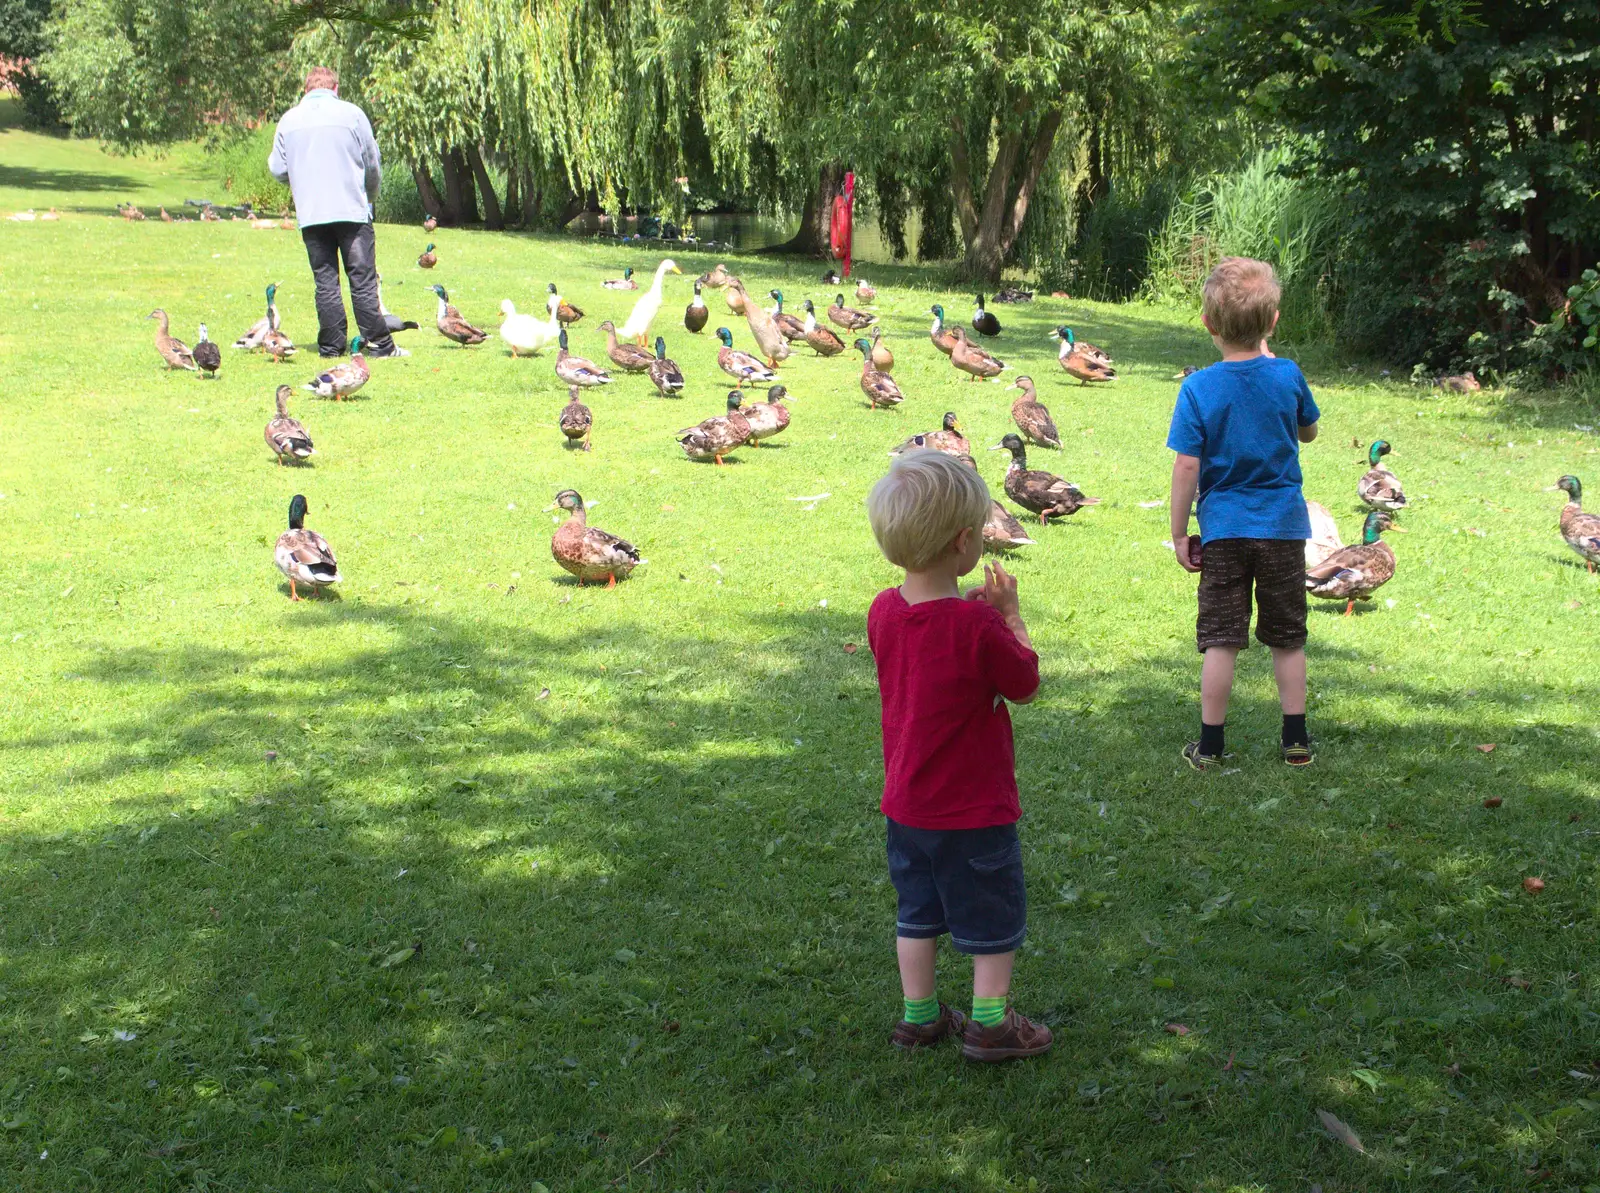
(922, 1010)
(988, 1011)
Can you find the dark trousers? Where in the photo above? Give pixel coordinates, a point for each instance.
(325, 244)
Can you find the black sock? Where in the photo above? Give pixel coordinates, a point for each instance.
(1294, 730)
(1211, 740)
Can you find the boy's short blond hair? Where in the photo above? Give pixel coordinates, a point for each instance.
(926, 499)
(1240, 300)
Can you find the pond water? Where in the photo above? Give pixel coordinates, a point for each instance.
(748, 231)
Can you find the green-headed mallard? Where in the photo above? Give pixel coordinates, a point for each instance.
(973, 360)
(878, 386)
(207, 356)
(525, 333)
(1039, 492)
(1031, 416)
(577, 420)
(173, 350)
(1080, 364)
(818, 338)
(847, 317)
(767, 418)
(625, 282)
(269, 322)
(628, 357)
(343, 379)
(1354, 573)
(566, 313)
(882, 358)
(717, 277)
(575, 370)
(716, 437)
(944, 339)
(304, 555)
(741, 366)
(1098, 356)
(429, 223)
(428, 259)
(1581, 530)
(763, 330)
(864, 292)
(695, 315)
(452, 326)
(664, 372)
(1378, 487)
(644, 310)
(588, 552)
(791, 326)
(983, 320)
(948, 440)
(286, 436)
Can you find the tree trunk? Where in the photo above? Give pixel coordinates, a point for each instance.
(492, 219)
(991, 232)
(454, 207)
(816, 222)
(530, 199)
(1094, 186)
(513, 204)
(427, 192)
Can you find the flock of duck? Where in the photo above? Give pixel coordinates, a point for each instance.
(1333, 570)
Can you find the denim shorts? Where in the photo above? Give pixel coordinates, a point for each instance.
(964, 881)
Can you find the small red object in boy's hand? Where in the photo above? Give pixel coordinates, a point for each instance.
(1196, 551)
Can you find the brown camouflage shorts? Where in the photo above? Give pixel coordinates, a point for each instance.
(1277, 570)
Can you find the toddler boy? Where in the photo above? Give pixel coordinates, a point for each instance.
(1237, 429)
(946, 666)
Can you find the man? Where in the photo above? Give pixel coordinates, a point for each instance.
(325, 151)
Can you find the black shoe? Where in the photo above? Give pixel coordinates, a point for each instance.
(1193, 756)
(1299, 755)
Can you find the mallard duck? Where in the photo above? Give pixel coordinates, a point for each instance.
(304, 555)
(1461, 383)
(451, 325)
(166, 216)
(1039, 492)
(943, 339)
(630, 358)
(286, 436)
(878, 386)
(565, 311)
(882, 358)
(577, 421)
(832, 278)
(392, 323)
(428, 259)
(1002, 532)
(524, 333)
(1031, 416)
(764, 330)
(575, 370)
(741, 366)
(717, 437)
(948, 440)
(864, 292)
(625, 282)
(278, 346)
(1581, 530)
(818, 338)
(1324, 540)
(1078, 364)
(209, 215)
(847, 317)
(1378, 487)
(644, 311)
(735, 297)
(1354, 573)
(792, 327)
(983, 321)
(429, 223)
(343, 379)
(695, 315)
(207, 356)
(587, 551)
(767, 418)
(664, 372)
(131, 212)
(717, 277)
(252, 339)
(1098, 356)
(174, 351)
(973, 360)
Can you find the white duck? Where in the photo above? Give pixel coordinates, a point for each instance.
(644, 311)
(525, 333)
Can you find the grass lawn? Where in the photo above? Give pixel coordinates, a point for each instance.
(473, 880)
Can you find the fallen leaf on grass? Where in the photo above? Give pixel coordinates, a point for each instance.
(1532, 885)
(398, 958)
(271, 755)
(544, 694)
(1494, 801)
(850, 648)
(1453, 1070)
(1574, 818)
(1341, 1132)
(1486, 748)
(1176, 1029)
(1519, 983)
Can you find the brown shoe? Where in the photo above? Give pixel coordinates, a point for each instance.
(921, 1035)
(1011, 1039)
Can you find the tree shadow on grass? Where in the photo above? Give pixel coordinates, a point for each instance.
(392, 915)
(32, 178)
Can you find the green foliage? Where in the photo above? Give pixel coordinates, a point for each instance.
(1585, 299)
(242, 170)
(22, 24)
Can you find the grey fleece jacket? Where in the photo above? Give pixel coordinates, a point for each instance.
(325, 151)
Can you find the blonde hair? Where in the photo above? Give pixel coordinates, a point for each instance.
(1240, 300)
(926, 499)
(322, 77)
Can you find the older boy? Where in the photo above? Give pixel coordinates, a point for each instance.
(1237, 429)
(946, 667)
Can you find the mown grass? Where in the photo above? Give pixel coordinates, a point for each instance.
(649, 914)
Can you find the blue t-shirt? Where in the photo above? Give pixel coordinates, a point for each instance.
(1241, 418)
